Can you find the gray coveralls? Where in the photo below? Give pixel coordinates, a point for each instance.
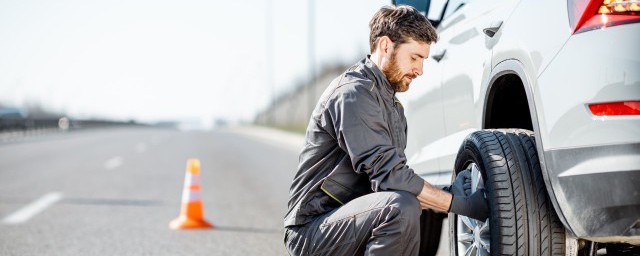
(353, 192)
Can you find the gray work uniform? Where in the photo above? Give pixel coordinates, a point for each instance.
(353, 192)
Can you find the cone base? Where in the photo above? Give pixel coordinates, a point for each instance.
(183, 222)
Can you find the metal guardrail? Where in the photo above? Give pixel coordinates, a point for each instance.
(14, 127)
(14, 124)
(61, 123)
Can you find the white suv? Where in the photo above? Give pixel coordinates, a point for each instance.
(541, 100)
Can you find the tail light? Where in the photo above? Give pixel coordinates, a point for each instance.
(585, 15)
(623, 108)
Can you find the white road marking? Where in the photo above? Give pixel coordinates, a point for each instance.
(27, 212)
(141, 147)
(113, 163)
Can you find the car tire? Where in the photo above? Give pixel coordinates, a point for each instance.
(522, 220)
(430, 231)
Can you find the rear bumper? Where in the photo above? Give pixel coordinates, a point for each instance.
(593, 163)
(598, 190)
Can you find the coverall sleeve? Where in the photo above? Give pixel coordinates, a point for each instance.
(360, 129)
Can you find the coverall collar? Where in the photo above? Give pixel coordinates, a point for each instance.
(379, 77)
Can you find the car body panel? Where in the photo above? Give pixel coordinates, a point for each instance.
(533, 34)
(610, 73)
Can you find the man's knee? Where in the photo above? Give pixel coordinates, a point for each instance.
(401, 216)
(407, 204)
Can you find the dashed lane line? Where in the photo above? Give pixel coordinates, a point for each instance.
(32, 209)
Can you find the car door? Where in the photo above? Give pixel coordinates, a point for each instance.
(425, 124)
(423, 108)
(464, 62)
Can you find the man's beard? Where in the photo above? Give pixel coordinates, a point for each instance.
(395, 76)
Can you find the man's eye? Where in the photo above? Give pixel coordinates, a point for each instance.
(413, 59)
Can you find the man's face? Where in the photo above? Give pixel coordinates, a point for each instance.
(405, 64)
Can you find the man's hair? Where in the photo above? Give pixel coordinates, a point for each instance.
(400, 23)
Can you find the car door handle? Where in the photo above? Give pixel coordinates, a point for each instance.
(493, 29)
(439, 54)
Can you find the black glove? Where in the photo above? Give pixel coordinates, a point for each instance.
(462, 185)
(467, 185)
(473, 206)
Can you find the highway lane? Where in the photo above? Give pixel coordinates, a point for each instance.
(120, 188)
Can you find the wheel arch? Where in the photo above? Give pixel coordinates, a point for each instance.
(493, 84)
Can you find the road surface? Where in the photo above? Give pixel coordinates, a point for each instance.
(114, 191)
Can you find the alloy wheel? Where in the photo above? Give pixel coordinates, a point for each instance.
(473, 236)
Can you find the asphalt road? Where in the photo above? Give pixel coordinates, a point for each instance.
(114, 192)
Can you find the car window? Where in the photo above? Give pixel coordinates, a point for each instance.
(452, 7)
(436, 9)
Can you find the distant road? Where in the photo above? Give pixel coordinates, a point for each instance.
(114, 191)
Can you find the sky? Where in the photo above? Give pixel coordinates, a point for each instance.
(162, 60)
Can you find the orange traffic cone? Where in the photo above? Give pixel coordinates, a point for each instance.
(191, 213)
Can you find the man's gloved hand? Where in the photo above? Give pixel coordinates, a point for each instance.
(473, 206)
(467, 185)
(463, 202)
(462, 185)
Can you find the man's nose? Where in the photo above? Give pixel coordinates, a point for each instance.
(418, 70)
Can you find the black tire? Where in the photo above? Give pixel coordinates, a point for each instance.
(522, 221)
(430, 231)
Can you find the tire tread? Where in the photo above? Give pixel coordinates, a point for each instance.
(523, 220)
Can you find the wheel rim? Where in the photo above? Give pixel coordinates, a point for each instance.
(473, 235)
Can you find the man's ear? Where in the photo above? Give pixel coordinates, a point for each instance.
(385, 46)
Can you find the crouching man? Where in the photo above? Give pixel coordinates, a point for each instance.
(353, 192)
